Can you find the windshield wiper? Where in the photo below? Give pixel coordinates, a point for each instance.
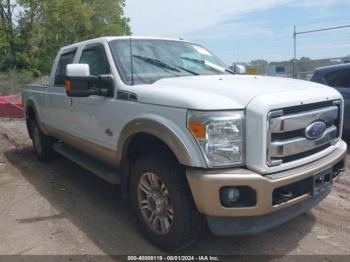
(187, 70)
(209, 64)
(164, 65)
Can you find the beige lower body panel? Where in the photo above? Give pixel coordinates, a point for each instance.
(97, 151)
(206, 184)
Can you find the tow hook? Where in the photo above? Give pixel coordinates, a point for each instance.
(281, 196)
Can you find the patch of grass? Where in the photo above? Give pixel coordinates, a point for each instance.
(11, 82)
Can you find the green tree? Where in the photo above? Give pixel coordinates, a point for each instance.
(43, 26)
(59, 23)
(8, 32)
(108, 18)
(3, 47)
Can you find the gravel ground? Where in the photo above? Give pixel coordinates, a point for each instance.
(59, 208)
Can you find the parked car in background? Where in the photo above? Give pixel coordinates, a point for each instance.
(337, 76)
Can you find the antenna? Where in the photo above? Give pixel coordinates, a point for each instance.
(131, 63)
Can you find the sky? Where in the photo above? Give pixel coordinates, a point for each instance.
(241, 31)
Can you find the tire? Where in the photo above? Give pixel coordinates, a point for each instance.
(43, 144)
(184, 223)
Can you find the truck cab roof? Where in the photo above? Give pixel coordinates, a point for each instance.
(111, 38)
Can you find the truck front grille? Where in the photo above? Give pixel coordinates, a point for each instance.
(286, 135)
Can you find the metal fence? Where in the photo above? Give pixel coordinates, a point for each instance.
(306, 67)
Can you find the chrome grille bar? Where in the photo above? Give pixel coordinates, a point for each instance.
(300, 144)
(299, 121)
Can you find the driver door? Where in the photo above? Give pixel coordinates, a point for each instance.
(90, 120)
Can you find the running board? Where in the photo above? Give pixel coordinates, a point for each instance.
(93, 165)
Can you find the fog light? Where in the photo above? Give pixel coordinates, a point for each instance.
(230, 195)
(237, 196)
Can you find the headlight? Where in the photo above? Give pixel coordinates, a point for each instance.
(220, 136)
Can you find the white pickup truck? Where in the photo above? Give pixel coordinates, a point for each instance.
(191, 143)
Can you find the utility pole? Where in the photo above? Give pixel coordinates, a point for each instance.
(295, 72)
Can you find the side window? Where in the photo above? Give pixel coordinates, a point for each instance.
(96, 58)
(65, 59)
(318, 78)
(346, 79)
(338, 78)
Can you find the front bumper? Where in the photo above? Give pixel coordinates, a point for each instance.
(206, 184)
(228, 226)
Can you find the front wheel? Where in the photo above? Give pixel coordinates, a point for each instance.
(163, 204)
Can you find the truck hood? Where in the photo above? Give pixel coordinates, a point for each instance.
(221, 92)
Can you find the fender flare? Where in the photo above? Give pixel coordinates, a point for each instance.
(31, 103)
(157, 129)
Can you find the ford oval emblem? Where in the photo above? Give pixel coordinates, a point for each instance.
(315, 130)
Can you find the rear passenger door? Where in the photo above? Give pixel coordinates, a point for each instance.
(89, 113)
(58, 101)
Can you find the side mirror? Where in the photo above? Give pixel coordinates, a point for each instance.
(79, 82)
(240, 69)
(78, 70)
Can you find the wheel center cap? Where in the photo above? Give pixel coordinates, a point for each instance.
(156, 202)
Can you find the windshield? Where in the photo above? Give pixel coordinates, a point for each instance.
(156, 59)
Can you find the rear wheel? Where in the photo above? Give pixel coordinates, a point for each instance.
(163, 204)
(43, 144)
